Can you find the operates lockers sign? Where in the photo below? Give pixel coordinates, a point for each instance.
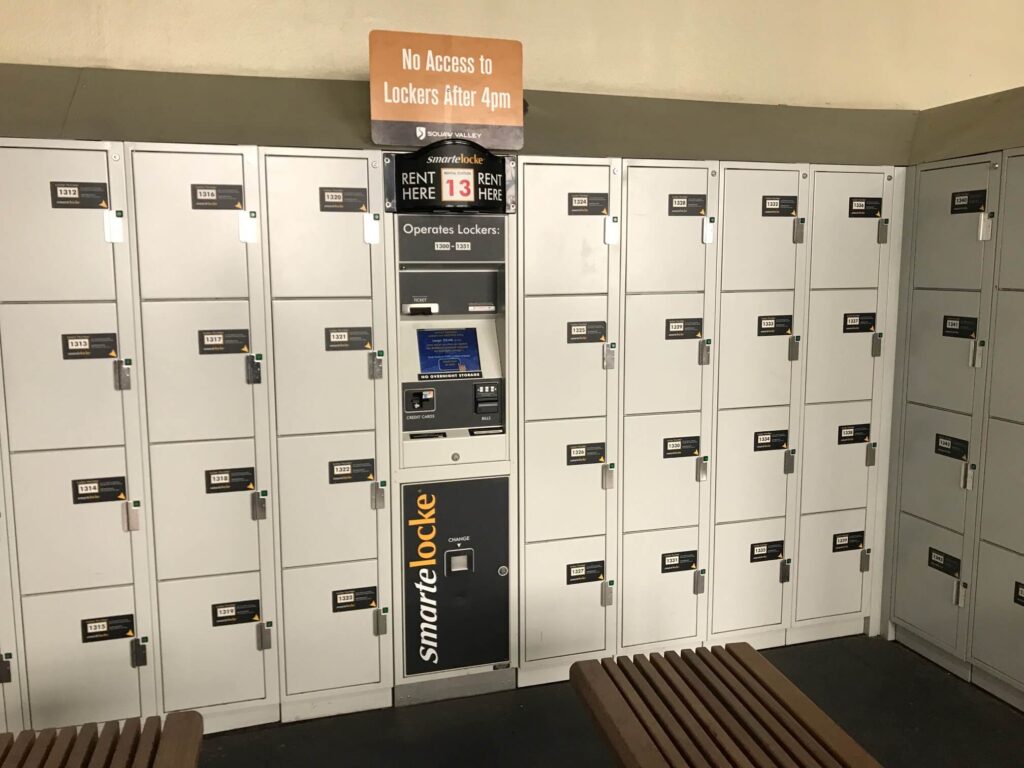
(425, 88)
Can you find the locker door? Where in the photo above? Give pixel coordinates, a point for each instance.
(187, 208)
(202, 508)
(73, 680)
(563, 465)
(925, 595)
(204, 663)
(53, 246)
(46, 365)
(659, 476)
(1004, 485)
(932, 478)
(754, 366)
(1008, 365)
(949, 251)
(68, 512)
(836, 440)
(324, 497)
(564, 618)
(840, 328)
(758, 249)
(664, 229)
(317, 249)
(564, 357)
(829, 581)
(658, 603)
(329, 637)
(1011, 266)
(844, 240)
(663, 333)
(751, 480)
(197, 390)
(747, 590)
(563, 238)
(999, 611)
(940, 349)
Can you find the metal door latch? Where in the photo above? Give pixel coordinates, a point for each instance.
(5, 670)
(253, 369)
(976, 353)
(264, 639)
(377, 495)
(799, 226)
(967, 476)
(704, 352)
(113, 226)
(702, 468)
(985, 225)
(959, 593)
(865, 560)
(794, 348)
(130, 516)
(870, 454)
(876, 345)
(607, 593)
(380, 622)
(699, 578)
(708, 231)
(376, 364)
(371, 228)
(607, 477)
(140, 654)
(785, 568)
(883, 231)
(611, 230)
(608, 358)
(789, 462)
(248, 227)
(259, 505)
(122, 375)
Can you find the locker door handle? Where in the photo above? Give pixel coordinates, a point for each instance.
(264, 638)
(607, 594)
(708, 230)
(122, 375)
(959, 593)
(140, 653)
(248, 229)
(967, 476)
(699, 578)
(870, 454)
(976, 353)
(794, 349)
(789, 462)
(785, 570)
(371, 228)
(704, 352)
(253, 369)
(130, 516)
(799, 227)
(5, 671)
(883, 231)
(113, 226)
(876, 345)
(258, 504)
(377, 496)
(611, 230)
(702, 468)
(607, 477)
(375, 364)
(985, 225)
(608, 356)
(865, 560)
(380, 622)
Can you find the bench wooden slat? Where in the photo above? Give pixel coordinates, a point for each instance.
(680, 748)
(6, 742)
(663, 744)
(82, 750)
(20, 749)
(148, 741)
(126, 743)
(61, 748)
(180, 742)
(41, 749)
(104, 749)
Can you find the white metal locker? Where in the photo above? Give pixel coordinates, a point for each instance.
(751, 475)
(188, 207)
(563, 357)
(663, 334)
(61, 354)
(665, 249)
(747, 590)
(203, 508)
(326, 515)
(942, 349)
(829, 581)
(1004, 485)
(659, 603)
(54, 246)
(838, 346)
(660, 486)
(845, 249)
(754, 366)
(934, 480)
(760, 217)
(999, 611)
(564, 462)
(564, 618)
(835, 448)
(70, 522)
(1011, 227)
(329, 636)
(1007, 362)
(321, 387)
(317, 249)
(564, 244)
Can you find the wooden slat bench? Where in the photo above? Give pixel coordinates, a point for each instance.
(723, 706)
(136, 745)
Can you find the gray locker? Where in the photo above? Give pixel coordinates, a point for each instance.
(71, 680)
(933, 480)
(1011, 227)
(204, 663)
(202, 508)
(61, 354)
(758, 244)
(322, 386)
(1001, 520)
(999, 611)
(1007, 361)
(829, 581)
(663, 335)
(316, 252)
(665, 250)
(70, 256)
(926, 596)
(660, 487)
(563, 247)
(563, 358)
(835, 448)
(195, 393)
(657, 586)
(564, 461)
(747, 592)
(69, 512)
(329, 637)
(324, 484)
(754, 366)
(563, 618)
(751, 477)
(187, 237)
(845, 251)
(840, 328)
(941, 350)
(949, 249)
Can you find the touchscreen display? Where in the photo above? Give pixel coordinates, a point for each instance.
(448, 353)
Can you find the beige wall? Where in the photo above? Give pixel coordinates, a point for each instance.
(909, 54)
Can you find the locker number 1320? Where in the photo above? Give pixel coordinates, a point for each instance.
(458, 185)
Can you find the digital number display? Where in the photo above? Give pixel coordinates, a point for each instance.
(458, 185)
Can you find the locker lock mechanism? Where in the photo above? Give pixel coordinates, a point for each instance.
(794, 348)
(699, 580)
(5, 669)
(704, 353)
(785, 569)
(608, 593)
(139, 652)
(259, 505)
(789, 461)
(702, 468)
(123, 375)
(254, 369)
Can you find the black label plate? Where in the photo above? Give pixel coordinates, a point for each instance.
(865, 208)
(778, 205)
(971, 201)
(354, 599)
(219, 197)
(684, 328)
(679, 561)
(88, 346)
(959, 327)
(953, 447)
(771, 440)
(231, 480)
(584, 453)
(350, 471)
(858, 322)
(687, 205)
(677, 447)
(108, 628)
(774, 325)
(853, 433)
(581, 573)
(98, 489)
(470, 237)
(242, 612)
(224, 342)
(586, 332)
(345, 339)
(588, 203)
(767, 550)
(343, 199)
(844, 542)
(1018, 592)
(79, 194)
(941, 561)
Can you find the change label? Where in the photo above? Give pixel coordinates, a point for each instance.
(865, 207)
(354, 599)
(99, 489)
(344, 339)
(774, 325)
(844, 542)
(953, 447)
(853, 433)
(771, 440)
(943, 561)
(350, 471)
(677, 447)
(679, 561)
(684, 328)
(108, 628)
(343, 199)
(766, 550)
(687, 205)
(959, 327)
(584, 453)
(588, 203)
(858, 322)
(79, 194)
(88, 346)
(217, 197)
(231, 480)
(971, 201)
(229, 342)
(241, 612)
(1018, 592)
(586, 332)
(581, 573)
(779, 205)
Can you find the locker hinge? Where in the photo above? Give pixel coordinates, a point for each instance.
(371, 228)
(378, 496)
(140, 653)
(5, 670)
(248, 227)
(870, 454)
(611, 230)
(959, 593)
(985, 225)
(258, 502)
(375, 364)
(607, 593)
(967, 476)
(799, 227)
(264, 639)
(607, 477)
(865, 560)
(876, 345)
(704, 353)
(113, 226)
(122, 375)
(380, 622)
(702, 468)
(883, 231)
(253, 369)
(785, 568)
(789, 462)
(708, 232)
(608, 360)
(794, 348)
(699, 578)
(130, 515)
(976, 353)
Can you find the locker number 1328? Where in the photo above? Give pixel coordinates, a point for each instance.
(458, 185)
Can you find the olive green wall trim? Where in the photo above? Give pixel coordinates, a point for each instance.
(985, 124)
(34, 100)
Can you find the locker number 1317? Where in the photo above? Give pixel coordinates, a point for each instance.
(458, 185)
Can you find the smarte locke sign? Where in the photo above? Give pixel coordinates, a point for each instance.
(425, 88)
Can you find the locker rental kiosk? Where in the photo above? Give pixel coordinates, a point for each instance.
(450, 245)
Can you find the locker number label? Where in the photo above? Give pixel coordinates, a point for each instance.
(679, 561)
(108, 628)
(853, 433)
(343, 199)
(350, 471)
(354, 599)
(88, 346)
(588, 203)
(684, 328)
(586, 332)
(98, 489)
(953, 447)
(220, 342)
(779, 205)
(959, 327)
(678, 447)
(241, 612)
(231, 480)
(581, 573)
(344, 339)
(767, 550)
(772, 440)
(844, 542)
(858, 322)
(865, 208)
(584, 453)
(687, 205)
(774, 325)
(1018, 593)
(79, 194)
(971, 201)
(942, 561)
(458, 185)
(219, 197)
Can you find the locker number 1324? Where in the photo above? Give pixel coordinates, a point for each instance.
(458, 185)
